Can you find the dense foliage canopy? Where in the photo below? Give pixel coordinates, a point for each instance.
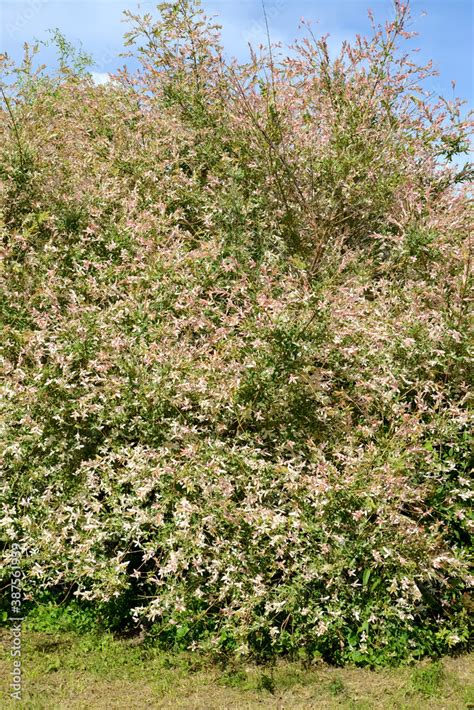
(236, 343)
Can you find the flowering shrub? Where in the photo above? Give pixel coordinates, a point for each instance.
(236, 344)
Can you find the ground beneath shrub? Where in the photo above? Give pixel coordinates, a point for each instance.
(70, 671)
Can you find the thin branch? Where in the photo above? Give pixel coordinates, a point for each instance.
(15, 128)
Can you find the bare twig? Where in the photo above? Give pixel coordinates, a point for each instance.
(15, 128)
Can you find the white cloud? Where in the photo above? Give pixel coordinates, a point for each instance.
(100, 77)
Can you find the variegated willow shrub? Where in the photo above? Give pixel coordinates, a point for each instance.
(236, 343)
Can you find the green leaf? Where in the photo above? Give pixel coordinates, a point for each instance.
(181, 632)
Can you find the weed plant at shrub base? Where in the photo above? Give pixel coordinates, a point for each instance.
(236, 346)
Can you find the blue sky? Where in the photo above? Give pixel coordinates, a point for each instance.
(446, 31)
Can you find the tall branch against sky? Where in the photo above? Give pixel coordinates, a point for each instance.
(446, 30)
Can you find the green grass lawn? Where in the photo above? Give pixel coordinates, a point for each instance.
(89, 671)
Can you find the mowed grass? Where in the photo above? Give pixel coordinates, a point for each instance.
(90, 671)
